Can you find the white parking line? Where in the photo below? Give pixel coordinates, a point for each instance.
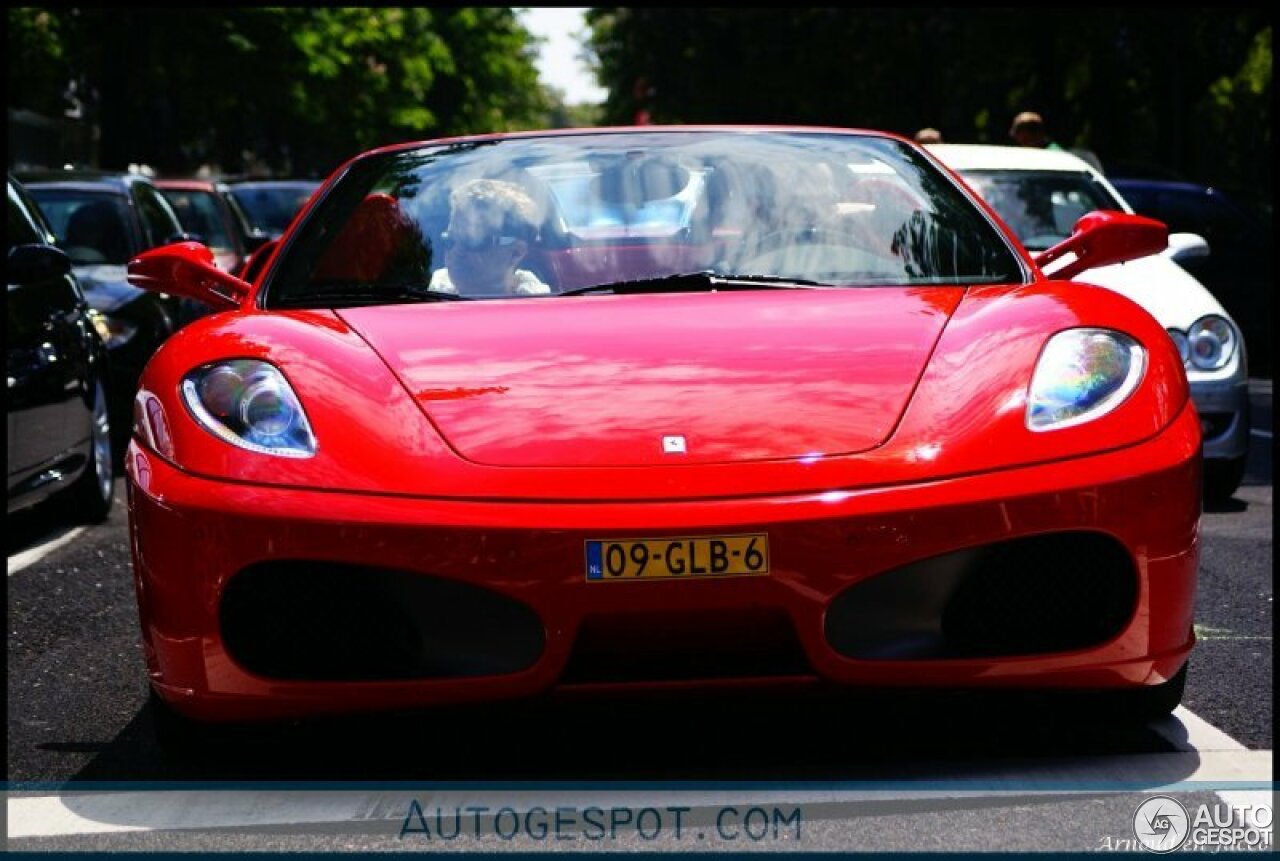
(1187, 731)
(34, 554)
(1204, 754)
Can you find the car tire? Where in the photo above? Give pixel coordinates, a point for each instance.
(1222, 477)
(89, 498)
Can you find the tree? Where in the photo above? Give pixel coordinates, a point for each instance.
(1189, 91)
(298, 88)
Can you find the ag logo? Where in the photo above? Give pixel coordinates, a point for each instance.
(1161, 824)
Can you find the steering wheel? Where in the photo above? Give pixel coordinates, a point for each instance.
(790, 250)
(793, 236)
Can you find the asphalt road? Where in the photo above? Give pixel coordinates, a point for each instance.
(78, 716)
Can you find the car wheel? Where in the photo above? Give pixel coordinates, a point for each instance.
(89, 498)
(1222, 477)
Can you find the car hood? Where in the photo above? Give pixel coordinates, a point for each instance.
(613, 380)
(1166, 290)
(106, 286)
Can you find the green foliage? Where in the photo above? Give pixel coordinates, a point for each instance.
(298, 88)
(1188, 90)
(37, 62)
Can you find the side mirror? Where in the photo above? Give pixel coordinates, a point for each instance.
(1185, 247)
(29, 264)
(1102, 238)
(187, 269)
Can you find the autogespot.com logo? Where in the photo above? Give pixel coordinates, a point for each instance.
(1161, 824)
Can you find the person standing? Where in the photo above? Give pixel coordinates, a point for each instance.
(1028, 129)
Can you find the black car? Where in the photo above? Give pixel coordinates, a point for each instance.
(59, 426)
(1238, 269)
(102, 220)
(272, 204)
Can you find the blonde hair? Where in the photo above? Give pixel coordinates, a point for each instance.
(497, 206)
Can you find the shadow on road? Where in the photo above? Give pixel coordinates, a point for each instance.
(873, 735)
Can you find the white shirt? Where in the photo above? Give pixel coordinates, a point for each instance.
(527, 284)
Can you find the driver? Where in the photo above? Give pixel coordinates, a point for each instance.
(491, 224)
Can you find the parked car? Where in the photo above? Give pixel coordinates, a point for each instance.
(1041, 194)
(1238, 269)
(272, 204)
(660, 405)
(58, 426)
(210, 213)
(101, 220)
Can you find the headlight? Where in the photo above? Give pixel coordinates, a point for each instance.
(1083, 374)
(112, 330)
(1184, 346)
(1212, 342)
(249, 404)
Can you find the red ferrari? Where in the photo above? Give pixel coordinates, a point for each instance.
(660, 406)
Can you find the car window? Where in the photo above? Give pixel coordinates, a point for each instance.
(159, 222)
(91, 226)
(272, 206)
(588, 211)
(1041, 207)
(243, 223)
(199, 213)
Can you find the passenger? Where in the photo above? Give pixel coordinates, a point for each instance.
(491, 224)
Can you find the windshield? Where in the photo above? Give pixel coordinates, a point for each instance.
(570, 214)
(198, 211)
(91, 226)
(272, 205)
(1041, 207)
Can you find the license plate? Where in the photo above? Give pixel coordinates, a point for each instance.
(619, 560)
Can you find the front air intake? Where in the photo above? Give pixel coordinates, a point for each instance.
(1029, 596)
(325, 621)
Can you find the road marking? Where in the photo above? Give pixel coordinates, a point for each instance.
(1204, 632)
(1188, 731)
(1204, 754)
(35, 554)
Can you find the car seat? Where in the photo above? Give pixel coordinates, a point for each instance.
(97, 226)
(379, 244)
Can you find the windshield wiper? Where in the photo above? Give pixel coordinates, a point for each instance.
(693, 282)
(368, 294)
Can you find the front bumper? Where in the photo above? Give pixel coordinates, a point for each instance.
(1223, 406)
(191, 536)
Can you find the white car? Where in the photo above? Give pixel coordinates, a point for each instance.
(1040, 193)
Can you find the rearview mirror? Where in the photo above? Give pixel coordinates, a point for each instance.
(187, 269)
(1102, 238)
(29, 264)
(1185, 247)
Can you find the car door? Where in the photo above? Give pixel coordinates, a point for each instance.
(47, 362)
